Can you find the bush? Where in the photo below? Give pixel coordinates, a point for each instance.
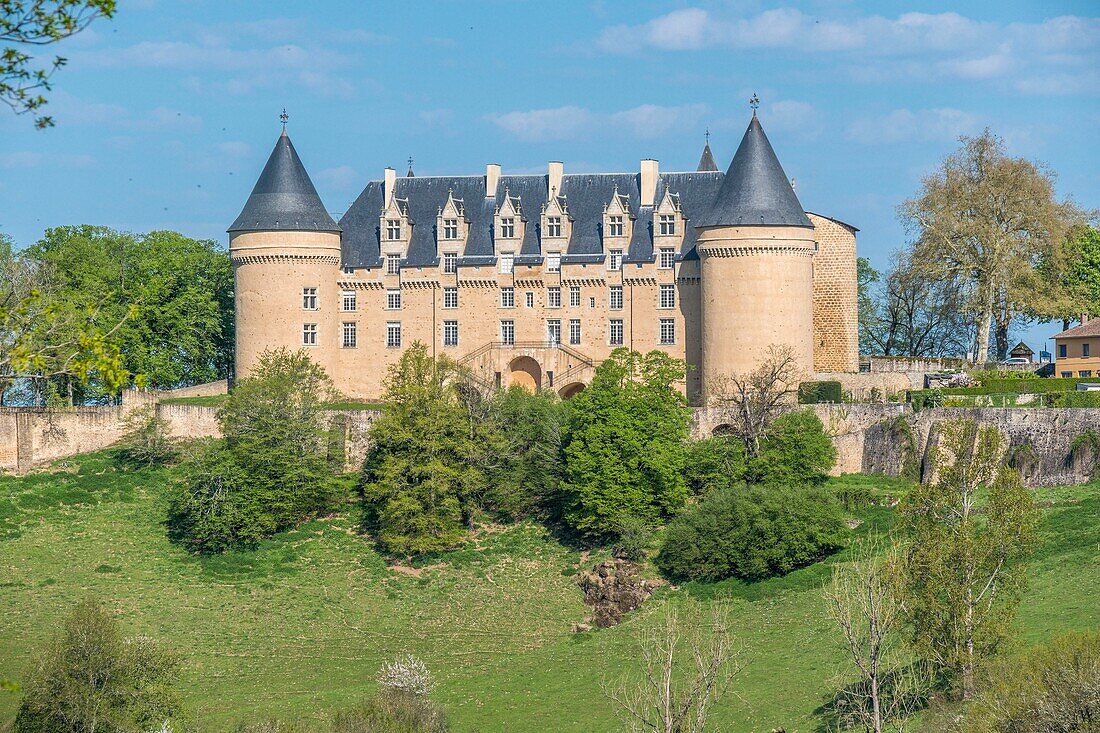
(795, 450)
(811, 393)
(633, 540)
(392, 712)
(1077, 398)
(147, 440)
(752, 534)
(714, 463)
(90, 678)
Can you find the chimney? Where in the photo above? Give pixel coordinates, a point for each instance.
(1084, 318)
(388, 186)
(492, 178)
(649, 182)
(554, 172)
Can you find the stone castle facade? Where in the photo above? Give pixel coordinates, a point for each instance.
(534, 279)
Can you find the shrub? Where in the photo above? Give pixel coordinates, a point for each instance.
(90, 678)
(215, 507)
(752, 534)
(147, 440)
(272, 725)
(811, 393)
(795, 450)
(714, 463)
(406, 675)
(392, 712)
(633, 540)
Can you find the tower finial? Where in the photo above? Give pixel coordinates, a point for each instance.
(283, 118)
(754, 102)
(706, 136)
(410, 173)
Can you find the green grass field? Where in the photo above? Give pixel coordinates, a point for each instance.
(301, 625)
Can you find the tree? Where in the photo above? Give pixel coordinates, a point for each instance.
(624, 454)
(963, 573)
(760, 396)
(424, 473)
(26, 23)
(91, 680)
(794, 450)
(687, 663)
(714, 463)
(148, 440)
(866, 279)
(984, 222)
(865, 602)
(1079, 278)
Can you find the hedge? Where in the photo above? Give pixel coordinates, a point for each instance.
(811, 393)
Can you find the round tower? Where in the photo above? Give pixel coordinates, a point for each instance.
(756, 248)
(285, 250)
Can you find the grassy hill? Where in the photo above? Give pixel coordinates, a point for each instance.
(301, 625)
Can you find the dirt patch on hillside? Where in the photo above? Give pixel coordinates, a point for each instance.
(613, 589)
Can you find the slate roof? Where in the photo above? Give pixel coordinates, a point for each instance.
(284, 197)
(1085, 330)
(706, 160)
(756, 191)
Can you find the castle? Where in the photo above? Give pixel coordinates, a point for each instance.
(534, 279)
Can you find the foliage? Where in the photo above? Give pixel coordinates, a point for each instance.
(795, 450)
(983, 222)
(714, 463)
(1055, 687)
(89, 679)
(177, 291)
(758, 397)
(624, 455)
(687, 663)
(963, 573)
(26, 23)
(811, 393)
(752, 534)
(406, 675)
(866, 278)
(633, 540)
(271, 470)
(1080, 276)
(148, 439)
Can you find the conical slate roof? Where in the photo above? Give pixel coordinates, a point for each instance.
(755, 190)
(706, 160)
(284, 197)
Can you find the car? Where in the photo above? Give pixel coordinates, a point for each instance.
(1016, 360)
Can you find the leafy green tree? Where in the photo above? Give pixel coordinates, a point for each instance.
(176, 291)
(1080, 275)
(624, 455)
(795, 450)
(31, 23)
(752, 533)
(866, 278)
(963, 568)
(714, 463)
(424, 472)
(270, 470)
(89, 679)
(148, 440)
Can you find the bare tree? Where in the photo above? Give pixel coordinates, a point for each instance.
(864, 601)
(759, 396)
(687, 664)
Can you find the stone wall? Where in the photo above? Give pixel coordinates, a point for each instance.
(208, 389)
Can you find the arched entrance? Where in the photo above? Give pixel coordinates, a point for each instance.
(722, 431)
(570, 391)
(525, 372)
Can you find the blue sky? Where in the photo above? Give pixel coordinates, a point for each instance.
(166, 114)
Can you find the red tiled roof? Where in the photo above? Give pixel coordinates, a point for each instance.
(1092, 328)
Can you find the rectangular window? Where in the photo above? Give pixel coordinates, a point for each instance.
(1061, 351)
(615, 260)
(667, 224)
(1067, 375)
(507, 297)
(393, 264)
(393, 229)
(508, 332)
(450, 297)
(553, 331)
(450, 333)
(668, 296)
(348, 300)
(507, 263)
(615, 298)
(668, 331)
(553, 226)
(574, 296)
(393, 334)
(530, 300)
(349, 270)
(450, 262)
(1086, 373)
(309, 299)
(553, 262)
(615, 333)
(1084, 349)
(574, 331)
(450, 228)
(614, 226)
(309, 334)
(349, 335)
(668, 258)
(553, 297)
(393, 300)
(507, 228)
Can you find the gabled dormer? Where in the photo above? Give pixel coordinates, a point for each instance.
(395, 226)
(668, 219)
(509, 224)
(618, 224)
(451, 229)
(557, 225)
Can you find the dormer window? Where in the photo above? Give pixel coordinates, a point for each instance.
(553, 261)
(507, 228)
(553, 226)
(666, 224)
(615, 226)
(450, 228)
(393, 229)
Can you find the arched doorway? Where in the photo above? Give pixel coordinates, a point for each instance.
(722, 431)
(525, 372)
(570, 391)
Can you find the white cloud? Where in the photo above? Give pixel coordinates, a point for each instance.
(904, 125)
(340, 177)
(650, 120)
(234, 149)
(789, 115)
(563, 123)
(559, 123)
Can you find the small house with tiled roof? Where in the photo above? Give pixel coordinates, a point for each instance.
(1077, 350)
